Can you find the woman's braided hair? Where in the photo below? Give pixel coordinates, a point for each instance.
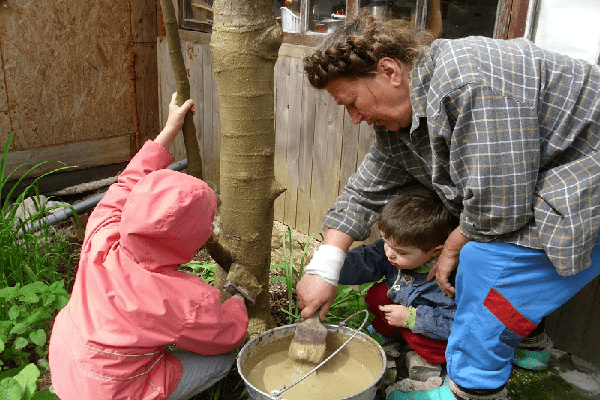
(355, 48)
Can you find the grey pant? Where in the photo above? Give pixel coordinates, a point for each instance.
(200, 372)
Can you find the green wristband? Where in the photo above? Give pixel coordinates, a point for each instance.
(410, 318)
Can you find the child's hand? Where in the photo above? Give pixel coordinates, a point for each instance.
(174, 120)
(395, 314)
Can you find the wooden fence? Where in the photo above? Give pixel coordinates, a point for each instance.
(313, 159)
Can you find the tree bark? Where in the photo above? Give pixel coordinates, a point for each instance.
(182, 85)
(244, 47)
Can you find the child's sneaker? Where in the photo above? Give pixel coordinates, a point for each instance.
(378, 336)
(535, 360)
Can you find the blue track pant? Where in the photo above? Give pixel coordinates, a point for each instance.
(502, 292)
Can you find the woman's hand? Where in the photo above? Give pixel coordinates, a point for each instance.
(448, 262)
(442, 270)
(395, 314)
(315, 293)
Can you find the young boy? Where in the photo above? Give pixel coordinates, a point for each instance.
(414, 227)
(129, 300)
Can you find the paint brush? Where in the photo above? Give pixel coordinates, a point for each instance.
(309, 340)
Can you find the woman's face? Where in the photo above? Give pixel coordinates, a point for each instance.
(382, 99)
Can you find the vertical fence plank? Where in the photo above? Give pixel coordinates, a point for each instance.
(211, 130)
(567, 325)
(215, 133)
(326, 158)
(282, 94)
(166, 89)
(293, 142)
(350, 140)
(305, 156)
(590, 345)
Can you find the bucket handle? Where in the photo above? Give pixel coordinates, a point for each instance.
(276, 394)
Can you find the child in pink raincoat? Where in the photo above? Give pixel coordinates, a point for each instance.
(130, 301)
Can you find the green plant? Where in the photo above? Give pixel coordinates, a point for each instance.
(20, 384)
(27, 255)
(203, 269)
(348, 301)
(25, 316)
(291, 275)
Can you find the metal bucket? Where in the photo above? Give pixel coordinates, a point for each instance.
(286, 333)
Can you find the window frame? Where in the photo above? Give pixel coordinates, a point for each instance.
(191, 24)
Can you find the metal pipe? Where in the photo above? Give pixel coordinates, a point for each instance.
(65, 213)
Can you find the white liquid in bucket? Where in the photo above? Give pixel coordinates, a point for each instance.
(354, 369)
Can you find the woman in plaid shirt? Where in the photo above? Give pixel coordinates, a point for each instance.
(508, 135)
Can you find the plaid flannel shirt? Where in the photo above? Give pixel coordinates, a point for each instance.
(507, 134)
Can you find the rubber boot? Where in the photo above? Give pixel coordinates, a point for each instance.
(533, 353)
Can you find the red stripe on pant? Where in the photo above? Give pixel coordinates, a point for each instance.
(432, 350)
(507, 313)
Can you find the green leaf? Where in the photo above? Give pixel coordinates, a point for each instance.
(38, 337)
(27, 378)
(14, 312)
(44, 395)
(48, 300)
(10, 389)
(20, 342)
(10, 292)
(2, 345)
(28, 295)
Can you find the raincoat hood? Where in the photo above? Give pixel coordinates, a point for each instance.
(167, 217)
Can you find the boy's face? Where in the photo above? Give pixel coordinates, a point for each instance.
(406, 257)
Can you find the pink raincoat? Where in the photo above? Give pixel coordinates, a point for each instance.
(129, 301)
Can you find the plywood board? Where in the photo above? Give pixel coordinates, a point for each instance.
(68, 69)
(5, 128)
(146, 92)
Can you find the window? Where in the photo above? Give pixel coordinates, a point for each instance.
(196, 15)
(446, 18)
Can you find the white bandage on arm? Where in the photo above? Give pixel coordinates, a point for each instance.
(327, 262)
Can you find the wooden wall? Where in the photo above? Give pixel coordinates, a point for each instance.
(78, 80)
(313, 159)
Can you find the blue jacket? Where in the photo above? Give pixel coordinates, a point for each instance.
(435, 312)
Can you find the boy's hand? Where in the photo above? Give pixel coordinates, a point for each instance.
(174, 121)
(395, 314)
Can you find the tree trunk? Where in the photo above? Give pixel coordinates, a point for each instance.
(244, 47)
(182, 85)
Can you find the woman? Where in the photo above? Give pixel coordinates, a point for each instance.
(508, 135)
